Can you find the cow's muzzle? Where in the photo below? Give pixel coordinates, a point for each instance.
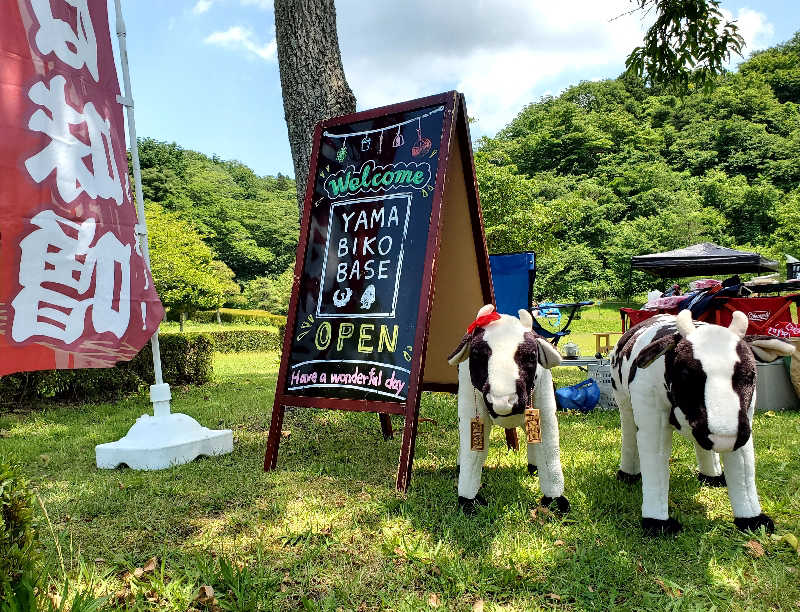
(502, 405)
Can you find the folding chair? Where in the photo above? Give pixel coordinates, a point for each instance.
(513, 275)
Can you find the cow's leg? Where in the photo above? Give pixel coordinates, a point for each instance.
(629, 470)
(740, 470)
(470, 405)
(709, 468)
(547, 453)
(654, 439)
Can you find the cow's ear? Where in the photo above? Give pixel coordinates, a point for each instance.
(462, 350)
(769, 349)
(525, 318)
(549, 357)
(656, 349)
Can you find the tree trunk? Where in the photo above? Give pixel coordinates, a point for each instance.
(312, 78)
(182, 321)
(219, 319)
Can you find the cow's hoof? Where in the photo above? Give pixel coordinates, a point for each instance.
(754, 522)
(470, 506)
(562, 503)
(657, 527)
(628, 478)
(712, 481)
(532, 469)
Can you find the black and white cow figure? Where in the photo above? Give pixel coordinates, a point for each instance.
(669, 372)
(500, 363)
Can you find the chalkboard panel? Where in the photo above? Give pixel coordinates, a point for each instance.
(391, 198)
(358, 295)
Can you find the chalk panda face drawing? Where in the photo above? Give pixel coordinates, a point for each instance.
(368, 297)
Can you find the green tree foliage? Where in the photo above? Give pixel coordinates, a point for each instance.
(687, 45)
(249, 221)
(617, 168)
(270, 293)
(186, 275)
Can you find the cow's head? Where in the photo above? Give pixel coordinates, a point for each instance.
(710, 373)
(503, 356)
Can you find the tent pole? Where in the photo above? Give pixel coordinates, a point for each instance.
(630, 282)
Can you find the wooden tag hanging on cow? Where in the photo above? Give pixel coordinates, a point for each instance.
(533, 429)
(476, 438)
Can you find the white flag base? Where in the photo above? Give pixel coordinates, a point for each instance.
(163, 440)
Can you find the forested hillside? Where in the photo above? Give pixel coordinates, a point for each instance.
(606, 170)
(611, 169)
(247, 224)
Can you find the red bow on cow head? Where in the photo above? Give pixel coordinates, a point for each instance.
(483, 321)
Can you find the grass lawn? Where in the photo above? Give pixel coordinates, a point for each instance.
(327, 530)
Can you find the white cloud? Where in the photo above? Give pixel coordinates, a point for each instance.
(757, 31)
(239, 38)
(201, 7)
(503, 54)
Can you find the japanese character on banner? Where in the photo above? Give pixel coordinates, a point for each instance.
(60, 255)
(75, 48)
(65, 152)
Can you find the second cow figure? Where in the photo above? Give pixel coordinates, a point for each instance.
(502, 364)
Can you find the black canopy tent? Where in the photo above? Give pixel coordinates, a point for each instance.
(705, 258)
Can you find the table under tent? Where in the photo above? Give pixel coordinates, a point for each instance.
(766, 301)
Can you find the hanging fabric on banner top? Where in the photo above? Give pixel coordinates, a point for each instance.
(75, 291)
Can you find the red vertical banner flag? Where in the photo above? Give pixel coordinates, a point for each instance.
(75, 291)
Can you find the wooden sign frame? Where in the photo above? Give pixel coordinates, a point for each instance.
(456, 160)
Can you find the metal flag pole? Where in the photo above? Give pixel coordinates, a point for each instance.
(164, 439)
(159, 393)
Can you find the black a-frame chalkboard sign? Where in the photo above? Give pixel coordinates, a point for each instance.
(391, 266)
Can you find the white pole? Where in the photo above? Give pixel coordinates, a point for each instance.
(165, 439)
(159, 393)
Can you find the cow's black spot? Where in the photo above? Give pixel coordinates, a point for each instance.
(744, 381)
(686, 383)
(479, 354)
(667, 331)
(527, 359)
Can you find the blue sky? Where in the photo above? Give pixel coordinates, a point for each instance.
(205, 73)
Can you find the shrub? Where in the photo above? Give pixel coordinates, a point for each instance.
(239, 340)
(185, 359)
(232, 315)
(270, 292)
(19, 550)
